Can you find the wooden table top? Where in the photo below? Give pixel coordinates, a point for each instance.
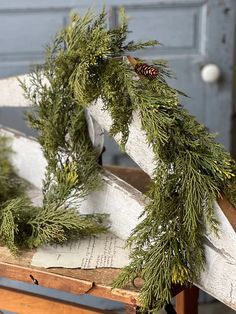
(95, 282)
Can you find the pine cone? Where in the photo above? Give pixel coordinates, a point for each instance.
(146, 70)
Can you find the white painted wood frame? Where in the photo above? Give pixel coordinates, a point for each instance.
(122, 201)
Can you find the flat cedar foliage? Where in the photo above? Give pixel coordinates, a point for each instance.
(23, 225)
(83, 63)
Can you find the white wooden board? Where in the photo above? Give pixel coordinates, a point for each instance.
(136, 146)
(11, 93)
(27, 157)
(219, 277)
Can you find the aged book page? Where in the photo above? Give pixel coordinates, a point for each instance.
(94, 252)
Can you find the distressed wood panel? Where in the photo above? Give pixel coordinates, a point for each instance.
(43, 23)
(136, 146)
(219, 277)
(220, 50)
(28, 158)
(11, 92)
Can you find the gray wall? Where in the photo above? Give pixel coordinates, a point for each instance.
(233, 130)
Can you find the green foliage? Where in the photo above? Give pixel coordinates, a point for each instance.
(86, 62)
(23, 225)
(10, 185)
(59, 224)
(119, 73)
(192, 170)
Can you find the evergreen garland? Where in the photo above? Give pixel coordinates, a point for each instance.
(84, 63)
(10, 185)
(23, 225)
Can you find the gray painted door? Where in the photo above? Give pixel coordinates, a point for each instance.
(25, 27)
(194, 33)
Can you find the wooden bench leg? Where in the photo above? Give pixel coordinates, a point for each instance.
(187, 301)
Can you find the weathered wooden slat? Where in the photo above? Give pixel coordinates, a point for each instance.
(225, 243)
(27, 158)
(11, 93)
(219, 277)
(136, 146)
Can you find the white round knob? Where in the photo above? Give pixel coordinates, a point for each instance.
(210, 73)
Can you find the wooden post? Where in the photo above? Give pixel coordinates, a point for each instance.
(187, 301)
(129, 309)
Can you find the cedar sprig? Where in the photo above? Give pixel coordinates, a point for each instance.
(23, 225)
